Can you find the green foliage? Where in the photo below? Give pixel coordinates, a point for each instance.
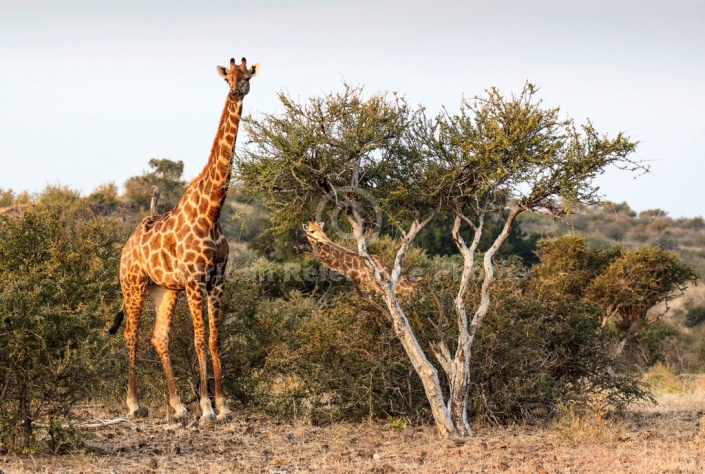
(58, 194)
(310, 347)
(338, 363)
(297, 343)
(7, 197)
(638, 281)
(534, 357)
(58, 274)
(626, 283)
(166, 175)
(378, 161)
(567, 265)
(654, 342)
(331, 148)
(617, 224)
(533, 354)
(105, 195)
(24, 198)
(496, 148)
(677, 341)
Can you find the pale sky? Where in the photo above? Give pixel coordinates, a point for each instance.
(91, 90)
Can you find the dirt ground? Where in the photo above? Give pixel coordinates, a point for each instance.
(665, 438)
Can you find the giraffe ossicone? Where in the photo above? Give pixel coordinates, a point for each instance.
(185, 250)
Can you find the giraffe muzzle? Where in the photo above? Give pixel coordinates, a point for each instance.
(241, 91)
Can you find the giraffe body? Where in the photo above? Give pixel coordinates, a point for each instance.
(351, 264)
(185, 250)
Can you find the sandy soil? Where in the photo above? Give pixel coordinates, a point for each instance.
(665, 438)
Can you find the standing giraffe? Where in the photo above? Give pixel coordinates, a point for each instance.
(185, 249)
(351, 264)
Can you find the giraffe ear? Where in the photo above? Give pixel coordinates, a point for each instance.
(254, 70)
(321, 225)
(222, 72)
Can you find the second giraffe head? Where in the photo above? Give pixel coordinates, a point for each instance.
(314, 232)
(238, 77)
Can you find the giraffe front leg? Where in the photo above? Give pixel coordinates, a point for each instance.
(215, 296)
(165, 300)
(194, 293)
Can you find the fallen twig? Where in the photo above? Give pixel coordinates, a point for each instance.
(96, 423)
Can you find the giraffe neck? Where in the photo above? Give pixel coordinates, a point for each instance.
(207, 191)
(333, 254)
(349, 263)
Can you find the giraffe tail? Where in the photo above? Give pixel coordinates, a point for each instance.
(117, 322)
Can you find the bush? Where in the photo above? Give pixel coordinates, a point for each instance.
(534, 357)
(58, 276)
(534, 354)
(319, 350)
(654, 345)
(309, 346)
(695, 315)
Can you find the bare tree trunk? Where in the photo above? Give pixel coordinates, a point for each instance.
(460, 366)
(459, 376)
(488, 278)
(423, 367)
(631, 332)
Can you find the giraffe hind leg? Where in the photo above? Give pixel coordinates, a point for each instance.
(165, 300)
(133, 308)
(215, 296)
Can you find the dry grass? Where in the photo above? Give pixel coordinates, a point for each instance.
(668, 437)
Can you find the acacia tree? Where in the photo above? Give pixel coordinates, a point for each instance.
(626, 283)
(566, 266)
(166, 175)
(512, 155)
(363, 159)
(634, 284)
(380, 159)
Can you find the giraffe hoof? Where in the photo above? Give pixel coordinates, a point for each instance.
(226, 417)
(208, 419)
(141, 412)
(180, 412)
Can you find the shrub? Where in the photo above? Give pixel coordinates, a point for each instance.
(695, 315)
(320, 350)
(534, 357)
(298, 346)
(58, 275)
(653, 343)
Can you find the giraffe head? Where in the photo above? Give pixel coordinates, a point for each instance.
(315, 234)
(238, 77)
